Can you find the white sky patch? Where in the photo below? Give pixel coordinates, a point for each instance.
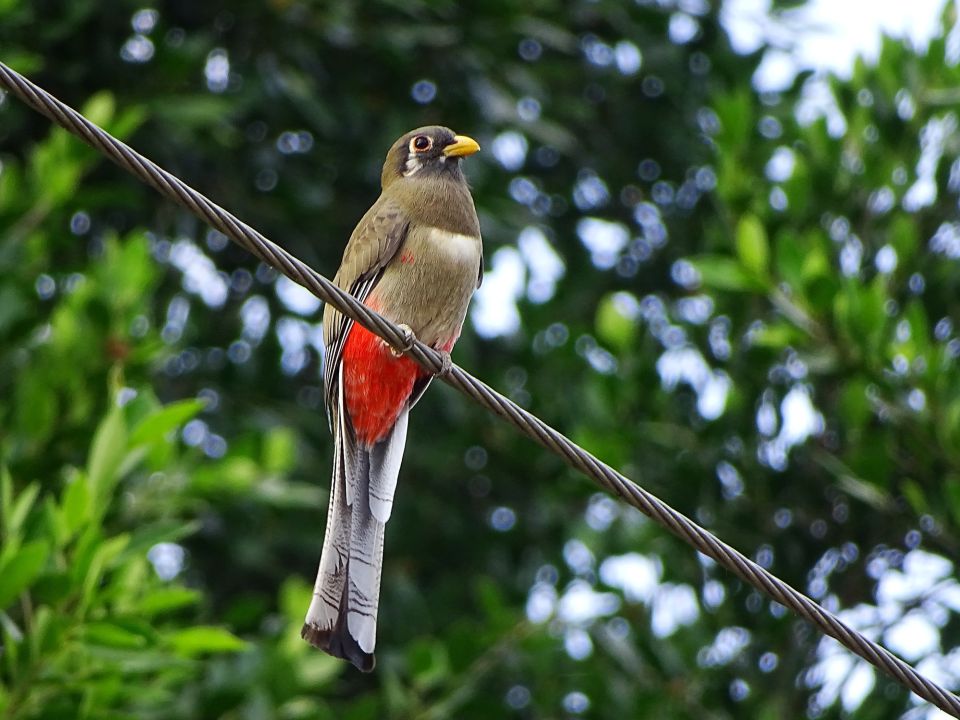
(726, 647)
(833, 673)
(217, 70)
(825, 35)
(714, 593)
(255, 316)
(177, 313)
(886, 260)
(913, 638)
(799, 420)
(946, 240)
(851, 256)
(604, 240)
(682, 28)
(510, 150)
(636, 575)
(590, 191)
(712, 396)
(293, 334)
(673, 607)
(580, 604)
(744, 21)
(913, 603)
(578, 556)
(296, 297)
(601, 512)
(921, 571)
(780, 166)
(167, 559)
(817, 100)
(857, 686)
(494, 308)
(933, 137)
(200, 274)
(544, 266)
(541, 602)
(577, 643)
(628, 57)
(626, 304)
(137, 49)
(685, 364)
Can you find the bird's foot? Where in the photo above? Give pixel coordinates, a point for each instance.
(408, 340)
(446, 364)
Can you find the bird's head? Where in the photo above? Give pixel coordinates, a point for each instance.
(428, 151)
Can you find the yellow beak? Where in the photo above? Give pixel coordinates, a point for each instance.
(461, 145)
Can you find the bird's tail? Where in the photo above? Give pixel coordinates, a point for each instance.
(342, 619)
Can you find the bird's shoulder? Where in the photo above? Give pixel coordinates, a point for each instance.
(374, 241)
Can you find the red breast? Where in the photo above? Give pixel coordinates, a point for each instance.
(376, 384)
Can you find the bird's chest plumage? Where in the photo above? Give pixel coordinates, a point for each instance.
(428, 283)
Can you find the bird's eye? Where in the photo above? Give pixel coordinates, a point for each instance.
(421, 143)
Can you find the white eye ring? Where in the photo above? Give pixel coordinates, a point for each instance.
(421, 143)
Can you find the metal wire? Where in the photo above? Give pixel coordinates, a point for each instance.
(526, 422)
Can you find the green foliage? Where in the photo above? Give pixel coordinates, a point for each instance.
(163, 446)
(82, 611)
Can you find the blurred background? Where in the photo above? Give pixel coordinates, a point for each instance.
(722, 251)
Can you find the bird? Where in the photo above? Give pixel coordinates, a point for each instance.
(416, 258)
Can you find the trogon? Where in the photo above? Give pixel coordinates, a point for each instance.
(416, 258)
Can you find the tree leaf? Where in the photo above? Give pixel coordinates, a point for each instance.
(613, 327)
(6, 497)
(903, 236)
(102, 559)
(106, 453)
(108, 634)
(148, 535)
(279, 450)
(36, 405)
(723, 273)
(157, 425)
(204, 639)
(17, 512)
(22, 569)
(99, 108)
(753, 249)
(776, 335)
(76, 503)
(166, 599)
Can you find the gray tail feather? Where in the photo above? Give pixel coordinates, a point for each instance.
(342, 618)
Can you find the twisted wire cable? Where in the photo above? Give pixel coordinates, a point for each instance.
(527, 423)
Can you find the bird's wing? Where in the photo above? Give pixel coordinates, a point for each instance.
(374, 242)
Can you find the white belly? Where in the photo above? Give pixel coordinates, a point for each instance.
(458, 248)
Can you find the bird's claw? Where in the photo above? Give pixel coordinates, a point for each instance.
(446, 364)
(408, 340)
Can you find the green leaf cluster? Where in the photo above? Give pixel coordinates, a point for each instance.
(750, 309)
